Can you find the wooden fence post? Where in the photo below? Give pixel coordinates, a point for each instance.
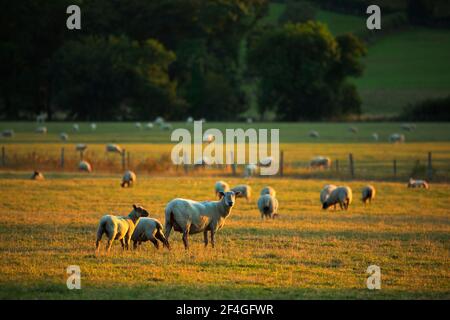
(81, 155)
(395, 167)
(281, 162)
(352, 168)
(123, 159)
(128, 160)
(3, 156)
(337, 165)
(233, 164)
(185, 165)
(62, 157)
(429, 167)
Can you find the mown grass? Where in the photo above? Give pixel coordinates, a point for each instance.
(307, 253)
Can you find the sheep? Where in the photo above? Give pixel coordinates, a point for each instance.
(129, 178)
(203, 161)
(149, 126)
(189, 120)
(191, 217)
(159, 121)
(250, 170)
(325, 193)
(320, 163)
(166, 126)
(353, 130)
(85, 166)
(221, 187)
(408, 126)
(266, 162)
(113, 148)
(9, 133)
(149, 229)
(396, 138)
(37, 176)
(40, 118)
(245, 191)
(41, 130)
(375, 136)
(341, 195)
(368, 194)
(268, 206)
(314, 134)
(418, 184)
(202, 120)
(80, 147)
(249, 120)
(268, 190)
(119, 227)
(76, 127)
(209, 138)
(138, 125)
(93, 126)
(64, 136)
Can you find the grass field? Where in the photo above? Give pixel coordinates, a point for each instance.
(307, 253)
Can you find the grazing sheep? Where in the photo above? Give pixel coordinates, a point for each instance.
(408, 126)
(119, 227)
(396, 138)
(41, 130)
(166, 126)
(341, 195)
(37, 176)
(368, 194)
(221, 187)
(8, 133)
(266, 162)
(149, 126)
(93, 126)
(64, 136)
(244, 191)
(209, 138)
(268, 206)
(202, 120)
(250, 170)
(159, 121)
(353, 130)
(268, 190)
(189, 120)
(325, 193)
(85, 166)
(40, 118)
(375, 136)
(418, 184)
(81, 147)
(138, 125)
(313, 134)
(191, 217)
(249, 120)
(320, 163)
(113, 148)
(76, 127)
(149, 229)
(129, 178)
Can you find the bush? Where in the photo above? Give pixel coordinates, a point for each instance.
(298, 12)
(428, 110)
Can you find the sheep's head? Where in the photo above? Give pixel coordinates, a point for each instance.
(325, 205)
(141, 212)
(229, 197)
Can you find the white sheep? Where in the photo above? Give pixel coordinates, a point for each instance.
(113, 148)
(249, 120)
(80, 147)
(41, 130)
(408, 126)
(418, 184)
(266, 162)
(268, 190)
(268, 206)
(76, 127)
(85, 166)
(396, 138)
(138, 125)
(189, 120)
(40, 118)
(37, 176)
(9, 133)
(149, 126)
(221, 187)
(149, 229)
(325, 193)
(320, 163)
(128, 179)
(203, 161)
(166, 126)
(250, 170)
(353, 130)
(341, 195)
(375, 136)
(368, 194)
(64, 136)
(314, 134)
(119, 227)
(209, 138)
(244, 191)
(93, 126)
(191, 217)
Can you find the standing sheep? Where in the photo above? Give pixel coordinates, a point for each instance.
(368, 194)
(396, 138)
(93, 126)
(119, 227)
(250, 170)
(325, 193)
(375, 136)
(314, 134)
(85, 166)
(41, 130)
(9, 133)
(418, 184)
(341, 195)
(129, 179)
(320, 163)
(37, 176)
(80, 147)
(268, 190)
(64, 136)
(191, 217)
(138, 125)
(149, 229)
(113, 148)
(268, 206)
(244, 191)
(221, 187)
(353, 130)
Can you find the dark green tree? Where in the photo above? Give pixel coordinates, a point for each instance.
(298, 12)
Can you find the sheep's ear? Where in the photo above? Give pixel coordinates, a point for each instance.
(134, 207)
(236, 193)
(222, 194)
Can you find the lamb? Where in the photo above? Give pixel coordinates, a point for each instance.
(64, 136)
(37, 176)
(81, 147)
(149, 229)
(41, 130)
(325, 193)
(119, 227)
(113, 148)
(418, 184)
(221, 187)
(85, 166)
(244, 190)
(268, 190)
(250, 170)
(268, 206)
(314, 134)
(8, 133)
(320, 163)
(129, 178)
(341, 195)
(191, 217)
(368, 194)
(396, 138)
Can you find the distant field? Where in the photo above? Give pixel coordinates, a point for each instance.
(306, 254)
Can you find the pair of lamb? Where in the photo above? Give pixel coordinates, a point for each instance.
(332, 195)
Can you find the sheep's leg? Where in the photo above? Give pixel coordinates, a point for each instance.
(135, 244)
(205, 237)
(122, 243)
(340, 205)
(160, 236)
(109, 244)
(185, 239)
(168, 229)
(212, 238)
(155, 243)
